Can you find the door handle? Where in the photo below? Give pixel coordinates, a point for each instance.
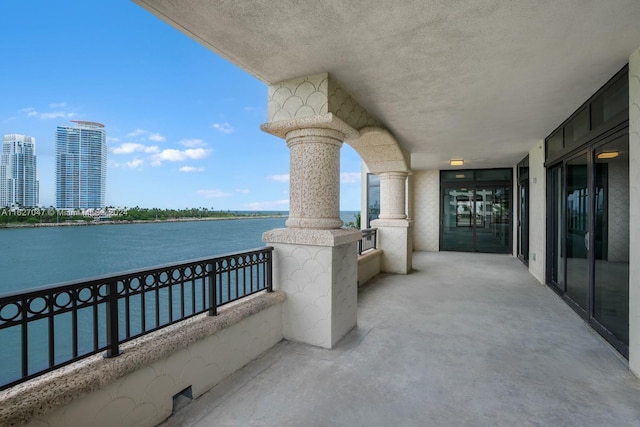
(586, 240)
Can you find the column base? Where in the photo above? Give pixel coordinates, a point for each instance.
(318, 269)
(395, 238)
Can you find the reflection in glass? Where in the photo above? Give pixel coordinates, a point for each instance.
(557, 200)
(611, 238)
(458, 218)
(493, 204)
(373, 198)
(523, 222)
(577, 208)
(476, 220)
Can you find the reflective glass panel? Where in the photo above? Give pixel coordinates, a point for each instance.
(458, 219)
(577, 238)
(611, 237)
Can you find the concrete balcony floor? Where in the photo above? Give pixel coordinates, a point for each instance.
(465, 340)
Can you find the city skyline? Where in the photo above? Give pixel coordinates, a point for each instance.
(183, 124)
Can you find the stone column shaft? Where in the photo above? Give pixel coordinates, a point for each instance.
(392, 195)
(314, 180)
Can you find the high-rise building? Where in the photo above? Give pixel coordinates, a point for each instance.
(81, 165)
(18, 171)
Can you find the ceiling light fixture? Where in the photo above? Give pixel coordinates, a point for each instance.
(456, 162)
(608, 155)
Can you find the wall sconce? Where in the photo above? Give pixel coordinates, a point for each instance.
(456, 162)
(608, 155)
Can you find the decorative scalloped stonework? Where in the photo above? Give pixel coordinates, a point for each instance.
(426, 203)
(321, 287)
(315, 95)
(344, 106)
(296, 98)
(395, 238)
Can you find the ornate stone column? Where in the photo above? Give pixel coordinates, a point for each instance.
(314, 178)
(315, 261)
(392, 195)
(395, 230)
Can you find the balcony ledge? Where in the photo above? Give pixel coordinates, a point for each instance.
(20, 404)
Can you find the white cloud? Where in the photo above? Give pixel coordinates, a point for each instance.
(156, 137)
(273, 205)
(193, 143)
(135, 163)
(213, 193)
(111, 139)
(136, 132)
(132, 147)
(279, 178)
(144, 135)
(242, 191)
(31, 112)
(173, 155)
(223, 127)
(58, 105)
(190, 169)
(350, 177)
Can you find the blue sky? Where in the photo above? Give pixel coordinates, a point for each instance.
(183, 125)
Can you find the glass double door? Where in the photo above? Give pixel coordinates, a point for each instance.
(476, 219)
(589, 225)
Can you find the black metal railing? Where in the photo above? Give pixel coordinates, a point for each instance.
(46, 328)
(368, 240)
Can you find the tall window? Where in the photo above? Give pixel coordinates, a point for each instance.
(373, 198)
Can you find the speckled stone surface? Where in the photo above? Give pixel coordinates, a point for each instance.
(392, 195)
(301, 236)
(314, 189)
(19, 404)
(380, 150)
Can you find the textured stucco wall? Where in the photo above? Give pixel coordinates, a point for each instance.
(425, 203)
(537, 212)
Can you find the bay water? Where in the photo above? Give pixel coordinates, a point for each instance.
(42, 256)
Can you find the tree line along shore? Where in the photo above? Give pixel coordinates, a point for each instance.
(51, 217)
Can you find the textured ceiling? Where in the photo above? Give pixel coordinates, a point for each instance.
(480, 80)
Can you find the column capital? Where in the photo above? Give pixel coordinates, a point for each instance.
(314, 135)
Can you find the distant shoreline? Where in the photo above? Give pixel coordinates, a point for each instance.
(124, 222)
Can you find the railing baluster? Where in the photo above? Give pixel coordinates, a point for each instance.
(95, 291)
(112, 319)
(213, 300)
(269, 257)
(74, 326)
(24, 326)
(52, 332)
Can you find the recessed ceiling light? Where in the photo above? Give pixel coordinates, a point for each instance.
(608, 155)
(456, 162)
